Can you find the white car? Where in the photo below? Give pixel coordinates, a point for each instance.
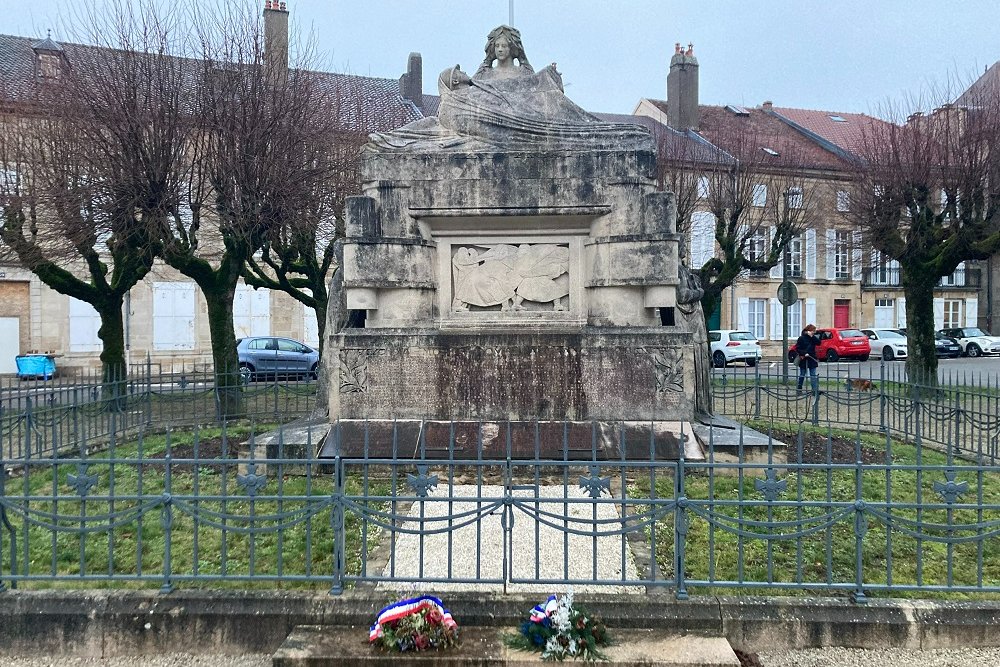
(974, 341)
(729, 345)
(886, 343)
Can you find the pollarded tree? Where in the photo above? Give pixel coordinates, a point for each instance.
(753, 197)
(92, 164)
(928, 195)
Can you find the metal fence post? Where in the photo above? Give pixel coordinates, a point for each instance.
(337, 518)
(167, 521)
(756, 388)
(149, 391)
(6, 525)
(680, 524)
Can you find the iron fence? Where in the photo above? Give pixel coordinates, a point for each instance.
(622, 506)
(960, 415)
(41, 417)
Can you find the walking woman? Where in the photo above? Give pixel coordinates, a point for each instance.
(806, 348)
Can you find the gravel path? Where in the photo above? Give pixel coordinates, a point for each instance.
(610, 554)
(848, 657)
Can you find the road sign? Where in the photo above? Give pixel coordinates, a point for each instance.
(788, 294)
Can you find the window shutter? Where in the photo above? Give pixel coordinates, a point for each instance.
(743, 316)
(776, 269)
(775, 320)
(310, 327)
(810, 254)
(901, 313)
(939, 313)
(173, 316)
(702, 238)
(84, 323)
(972, 312)
(855, 255)
(959, 275)
(810, 312)
(831, 250)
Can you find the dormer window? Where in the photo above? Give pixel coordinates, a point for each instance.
(49, 65)
(49, 59)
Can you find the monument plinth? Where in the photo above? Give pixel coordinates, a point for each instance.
(512, 258)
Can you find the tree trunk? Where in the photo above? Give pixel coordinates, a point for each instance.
(224, 356)
(112, 334)
(921, 361)
(709, 302)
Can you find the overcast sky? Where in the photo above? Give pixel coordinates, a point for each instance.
(837, 55)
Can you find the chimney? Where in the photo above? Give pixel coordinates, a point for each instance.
(411, 84)
(276, 37)
(682, 89)
(767, 105)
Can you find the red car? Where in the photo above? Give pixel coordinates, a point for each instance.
(842, 343)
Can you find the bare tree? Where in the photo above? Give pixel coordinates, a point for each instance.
(755, 190)
(96, 160)
(928, 196)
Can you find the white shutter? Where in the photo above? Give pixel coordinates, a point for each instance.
(972, 312)
(901, 313)
(831, 250)
(810, 312)
(939, 313)
(775, 320)
(173, 316)
(251, 311)
(810, 254)
(310, 327)
(776, 269)
(743, 314)
(855, 255)
(84, 323)
(702, 238)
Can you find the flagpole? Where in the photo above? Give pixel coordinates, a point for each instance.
(510, 20)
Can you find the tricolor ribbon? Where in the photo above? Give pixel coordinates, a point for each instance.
(403, 608)
(540, 612)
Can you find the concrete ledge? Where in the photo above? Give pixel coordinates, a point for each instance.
(115, 623)
(324, 646)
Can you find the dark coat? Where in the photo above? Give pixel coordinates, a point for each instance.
(806, 346)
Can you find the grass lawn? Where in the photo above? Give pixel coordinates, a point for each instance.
(807, 536)
(208, 527)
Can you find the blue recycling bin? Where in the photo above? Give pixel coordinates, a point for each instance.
(35, 366)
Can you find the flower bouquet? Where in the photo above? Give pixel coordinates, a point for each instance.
(417, 624)
(559, 630)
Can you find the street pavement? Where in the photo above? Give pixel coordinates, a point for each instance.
(963, 371)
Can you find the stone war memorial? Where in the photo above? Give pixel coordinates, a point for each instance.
(512, 261)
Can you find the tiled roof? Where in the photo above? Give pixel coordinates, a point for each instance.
(430, 105)
(368, 103)
(684, 146)
(845, 135)
(988, 83)
(766, 134)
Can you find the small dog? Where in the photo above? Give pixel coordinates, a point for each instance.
(860, 384)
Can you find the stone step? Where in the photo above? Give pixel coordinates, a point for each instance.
(331, 646)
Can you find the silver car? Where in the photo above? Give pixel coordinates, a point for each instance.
(270, 356)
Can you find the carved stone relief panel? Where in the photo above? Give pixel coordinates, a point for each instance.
(504, 277)
(668, 368)
(354, 369)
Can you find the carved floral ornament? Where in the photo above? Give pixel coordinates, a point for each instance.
(668, 368)
(508, 276)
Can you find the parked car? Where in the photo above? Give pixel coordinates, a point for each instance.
(729, 345)
(945, 346)
(888, 344)
(270, 356)
(974, 341)
(842, 343)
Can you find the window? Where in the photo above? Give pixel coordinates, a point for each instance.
(793, 258)
(49, 65)
(843, 201)
(760, 194)
(714, 336)
(173, 316)
(703, 189)
(952, 313)
(838, 119)
(842, 255)
(795, 318)
(757, 249)
(770, 151)
(794, 197)
(702, 238)
(755, 317)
